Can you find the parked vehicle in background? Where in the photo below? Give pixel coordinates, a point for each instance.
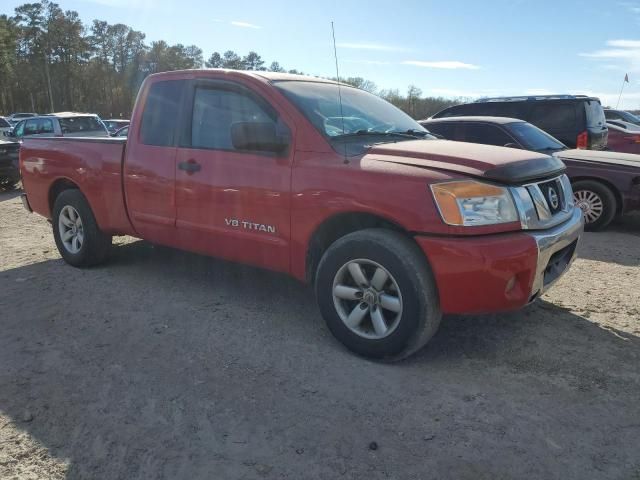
(115, 124)
(9, 171)
(631, 127)
(621, 115)
(392, 226)
(576, 120)
(61, 125)
(16, 117)
(122, 132)
(5, 127)
(624, 137)
(605, 183)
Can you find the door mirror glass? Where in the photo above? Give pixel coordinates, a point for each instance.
(257, 136)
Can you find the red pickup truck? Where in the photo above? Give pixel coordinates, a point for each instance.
(325, 182)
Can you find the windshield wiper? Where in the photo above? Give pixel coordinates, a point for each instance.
(368, 133)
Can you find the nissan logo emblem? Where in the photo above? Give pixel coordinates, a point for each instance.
(554, 200)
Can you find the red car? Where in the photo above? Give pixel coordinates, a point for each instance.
(391, 226)
(623, 137)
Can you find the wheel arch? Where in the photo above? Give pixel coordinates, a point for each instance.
(336, 227)
(57, 187)
(606, 183)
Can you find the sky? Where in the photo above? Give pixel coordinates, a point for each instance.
(455, 48)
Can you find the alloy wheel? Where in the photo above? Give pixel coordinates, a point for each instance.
(71, 229)
(367, 299)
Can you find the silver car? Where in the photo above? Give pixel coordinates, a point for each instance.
(66, 124)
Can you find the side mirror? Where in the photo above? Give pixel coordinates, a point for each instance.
(257, 136)
(10, 133)
(513, 145)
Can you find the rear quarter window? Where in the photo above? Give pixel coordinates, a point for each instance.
(554, 116)
(160, 115)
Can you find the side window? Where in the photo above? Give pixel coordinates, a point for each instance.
(215, 110)
(160, 116)
(553, 116)
(45, 125)
(31, 127)
(486, 134)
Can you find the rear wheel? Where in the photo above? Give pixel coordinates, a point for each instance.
(377, 294)
(79, 240)
(597, 202)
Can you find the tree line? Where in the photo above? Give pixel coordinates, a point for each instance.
(51, 61)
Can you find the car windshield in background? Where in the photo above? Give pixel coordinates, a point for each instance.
(70, 125)
(533, 138)
(362, 113)
(629, 117)
(4, 123)
(595, 114)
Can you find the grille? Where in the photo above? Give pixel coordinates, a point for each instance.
(549, 198)
(553, 194)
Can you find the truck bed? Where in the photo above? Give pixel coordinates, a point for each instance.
(92, 164)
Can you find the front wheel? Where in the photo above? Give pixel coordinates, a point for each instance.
(597, 202)
(377, 294)
(79, 239)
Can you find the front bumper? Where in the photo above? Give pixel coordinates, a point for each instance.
(493, 273)
(557, 248)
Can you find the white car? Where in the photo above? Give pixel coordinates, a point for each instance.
(16, 117)
(5, 127)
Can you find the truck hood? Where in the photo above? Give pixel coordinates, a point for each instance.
(601, 156)
(505, 165)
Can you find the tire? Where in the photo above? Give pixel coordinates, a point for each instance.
(92, 245)
(415, 314)
(598, 203)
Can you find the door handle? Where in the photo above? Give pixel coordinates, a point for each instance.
(190, 166)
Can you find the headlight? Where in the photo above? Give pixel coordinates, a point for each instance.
(474, 203)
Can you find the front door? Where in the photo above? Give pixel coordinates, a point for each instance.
(232, 203)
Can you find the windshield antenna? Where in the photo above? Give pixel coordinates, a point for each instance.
(335, 55)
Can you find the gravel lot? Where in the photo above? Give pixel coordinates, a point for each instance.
(164, 364)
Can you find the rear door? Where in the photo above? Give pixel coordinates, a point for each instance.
(563, 120)
(232, 203)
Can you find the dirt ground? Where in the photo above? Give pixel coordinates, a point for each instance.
(163, 364)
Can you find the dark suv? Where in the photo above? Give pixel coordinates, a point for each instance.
(576, 120)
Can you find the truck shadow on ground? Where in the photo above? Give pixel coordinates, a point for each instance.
(165, 364)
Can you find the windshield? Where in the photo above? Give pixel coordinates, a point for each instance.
(629, 117)
(533, 138)
(595, 114)
(361, 112)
